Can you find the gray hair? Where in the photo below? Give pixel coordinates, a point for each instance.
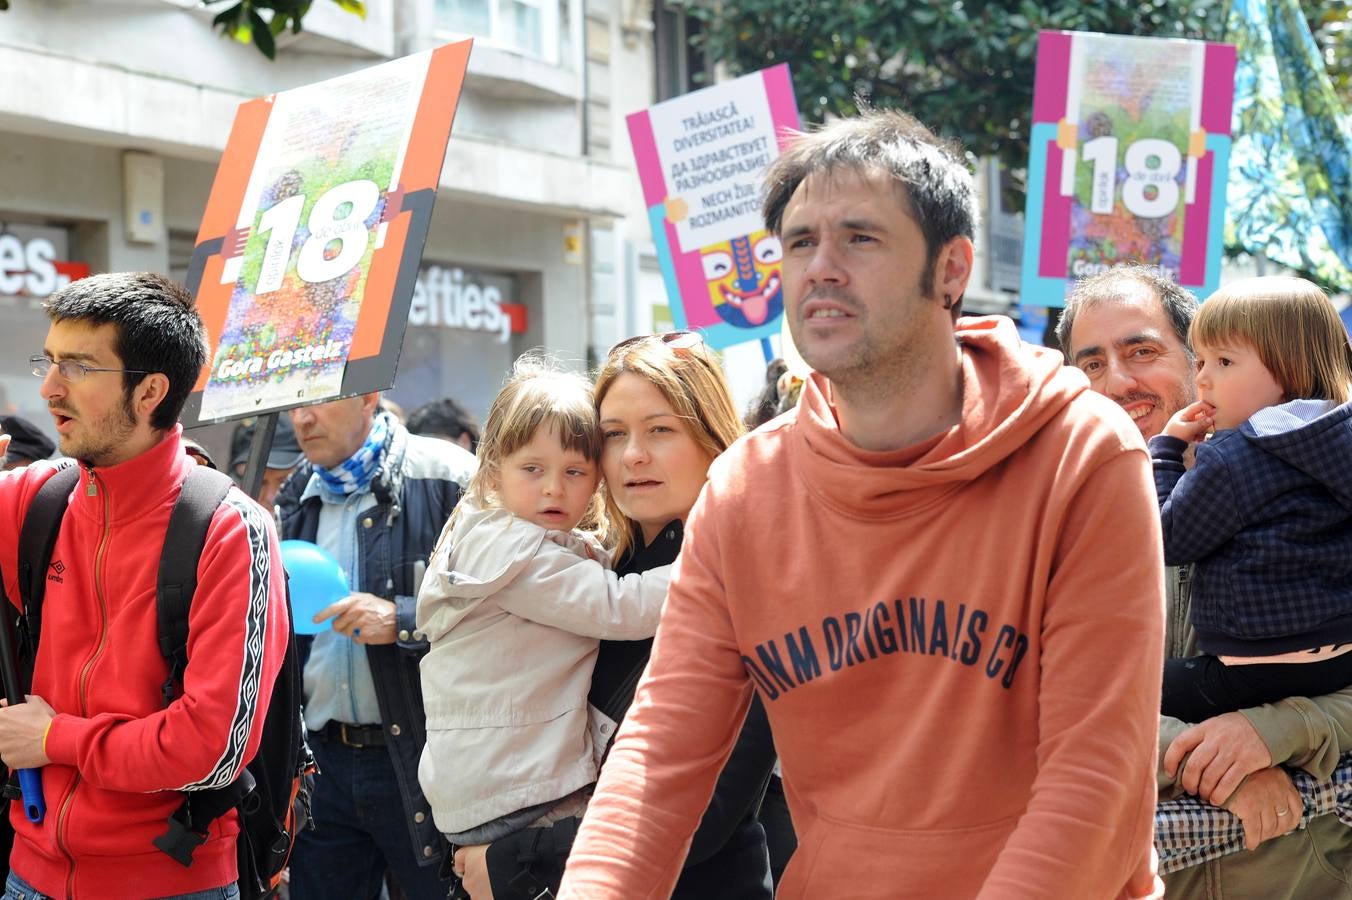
(1178, 303)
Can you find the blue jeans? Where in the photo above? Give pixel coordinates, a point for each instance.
(359, 831)
(18, 889)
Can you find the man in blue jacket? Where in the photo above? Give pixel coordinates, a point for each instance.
(376, 498)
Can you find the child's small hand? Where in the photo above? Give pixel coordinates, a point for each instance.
(570, 541)
(1192, 422)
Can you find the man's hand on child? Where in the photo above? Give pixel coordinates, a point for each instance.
(1216, 756)
(1268, 805)
(471, 864)
(1192, 422)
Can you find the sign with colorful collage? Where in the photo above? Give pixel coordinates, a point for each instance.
(1130, 147)
(308, 252)
(701, 159)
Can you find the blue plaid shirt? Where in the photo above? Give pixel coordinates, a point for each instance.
(1265, 517)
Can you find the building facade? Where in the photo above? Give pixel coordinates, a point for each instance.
(114, 114)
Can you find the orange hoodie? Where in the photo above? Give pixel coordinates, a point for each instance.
(960, 656)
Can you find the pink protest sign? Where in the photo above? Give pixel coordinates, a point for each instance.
(701, 160)
(1129, 150)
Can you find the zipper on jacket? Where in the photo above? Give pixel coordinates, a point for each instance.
(98, 592)
(91, 490)
(61, 834)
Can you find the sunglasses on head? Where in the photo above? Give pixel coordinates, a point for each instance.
(676, 340)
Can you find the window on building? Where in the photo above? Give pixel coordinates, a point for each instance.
(181, 247)
(1004, 224)
(539, 28)
(680, 63)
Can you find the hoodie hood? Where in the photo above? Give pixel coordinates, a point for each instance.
(1010, 390)
(1314, 436)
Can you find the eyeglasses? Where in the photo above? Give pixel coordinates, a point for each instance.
(69, 369)
(676, 340)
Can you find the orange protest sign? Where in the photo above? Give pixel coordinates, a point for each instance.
(309, 247)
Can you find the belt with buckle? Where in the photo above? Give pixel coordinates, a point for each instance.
(360, 736)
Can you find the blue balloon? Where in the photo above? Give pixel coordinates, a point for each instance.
(316, 581)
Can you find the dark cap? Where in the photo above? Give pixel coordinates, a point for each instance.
(285, 452)
(27, 443)
(198, 453)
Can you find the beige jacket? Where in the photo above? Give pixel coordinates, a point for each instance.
(514, 615)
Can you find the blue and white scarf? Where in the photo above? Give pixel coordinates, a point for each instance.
(355, 472)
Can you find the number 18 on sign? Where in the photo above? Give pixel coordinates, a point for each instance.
(1129, 149)
(306, 258)
(337, 235)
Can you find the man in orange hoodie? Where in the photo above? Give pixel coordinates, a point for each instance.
(959, 656)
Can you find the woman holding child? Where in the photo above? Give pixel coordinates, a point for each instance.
(665, 413)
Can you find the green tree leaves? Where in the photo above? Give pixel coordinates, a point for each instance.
(244, 20)
(964, 67)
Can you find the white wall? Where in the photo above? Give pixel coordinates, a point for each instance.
(80, 184)
(164, 39)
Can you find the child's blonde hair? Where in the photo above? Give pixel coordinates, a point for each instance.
(538, 394)
(1292, 326)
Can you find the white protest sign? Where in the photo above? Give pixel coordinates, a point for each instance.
(714, 146)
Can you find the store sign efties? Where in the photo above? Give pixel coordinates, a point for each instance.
(453, 298)
(30, 268)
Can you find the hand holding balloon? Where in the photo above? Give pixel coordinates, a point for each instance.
(316, 582)
(321, 597)
(365, 618)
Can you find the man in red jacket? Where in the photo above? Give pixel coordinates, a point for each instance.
(122, 355)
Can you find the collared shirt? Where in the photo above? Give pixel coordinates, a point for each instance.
(338, 684)
(1189, 831)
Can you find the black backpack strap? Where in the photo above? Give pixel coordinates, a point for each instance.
(37, 539)
(189, 823)
(203, 491)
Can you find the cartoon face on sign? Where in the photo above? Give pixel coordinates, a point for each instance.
(744, 278)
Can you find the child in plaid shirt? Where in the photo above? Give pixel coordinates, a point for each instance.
(1265, 513)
